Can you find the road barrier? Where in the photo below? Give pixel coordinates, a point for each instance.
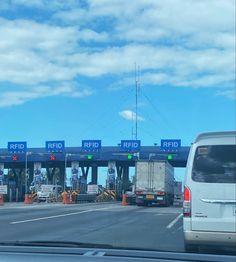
(34, 197)
(1, 200)
(66, 198)
(74, 195)
(106, 195)
(86, 198)
(69, 197)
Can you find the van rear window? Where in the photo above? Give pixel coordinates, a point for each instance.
(215, 164)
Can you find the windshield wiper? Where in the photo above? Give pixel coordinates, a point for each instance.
(55, 244)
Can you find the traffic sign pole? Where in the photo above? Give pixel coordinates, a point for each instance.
(64, 184)
(26, 167)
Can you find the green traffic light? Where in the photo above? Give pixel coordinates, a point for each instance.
(130, 156)
(90, 157)
(169, 157)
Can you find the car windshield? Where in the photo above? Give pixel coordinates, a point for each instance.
(100, 104)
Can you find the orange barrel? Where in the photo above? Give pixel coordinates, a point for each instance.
(124, 202)
(64, 198)
(28, 199)
(1, 200)
(74, 196)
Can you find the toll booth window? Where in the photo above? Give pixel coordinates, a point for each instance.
(215, 164)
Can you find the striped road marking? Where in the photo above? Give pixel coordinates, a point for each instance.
(172, 223)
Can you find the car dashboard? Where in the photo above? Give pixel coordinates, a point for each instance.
(62, 254)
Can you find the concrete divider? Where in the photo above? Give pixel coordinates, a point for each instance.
(81, 198)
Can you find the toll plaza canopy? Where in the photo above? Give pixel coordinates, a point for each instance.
(177, 158)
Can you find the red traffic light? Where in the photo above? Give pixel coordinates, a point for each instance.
(14, 158)
(52, 158)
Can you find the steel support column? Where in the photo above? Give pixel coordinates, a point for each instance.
(125, 177)
(85, 171)
(62, 175)
(31, 175)
(94, 179)
(119, 170)
(83, 179)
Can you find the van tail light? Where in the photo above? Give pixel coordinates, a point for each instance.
(187, 202)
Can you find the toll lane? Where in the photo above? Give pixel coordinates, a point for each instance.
(121, 226)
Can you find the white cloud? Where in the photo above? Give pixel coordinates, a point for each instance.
(187, 22)
(88, 35)
(230, 93)
(34, 53)
(175, 66)
(77, 15)
(13, 98)
(130, 115)
(176, 42)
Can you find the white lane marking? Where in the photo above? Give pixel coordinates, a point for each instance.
(56, 216)
(30, 207)
(179, 228)
(174, 221)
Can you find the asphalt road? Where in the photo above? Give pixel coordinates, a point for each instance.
(157, 228)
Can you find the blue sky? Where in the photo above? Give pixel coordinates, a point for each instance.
(67, 69)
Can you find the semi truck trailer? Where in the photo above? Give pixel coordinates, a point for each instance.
(154, 183)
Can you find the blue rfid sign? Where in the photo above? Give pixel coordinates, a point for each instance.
(130, 145)
(170, 144)
(91, 145)
(17, 147)
(55, 146)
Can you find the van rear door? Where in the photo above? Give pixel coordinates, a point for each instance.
(213, 189)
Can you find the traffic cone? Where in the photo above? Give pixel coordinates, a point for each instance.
(124, 202)
(1, 200)
(28, 199)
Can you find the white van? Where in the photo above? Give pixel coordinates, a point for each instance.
(48, 192)
(209, 209)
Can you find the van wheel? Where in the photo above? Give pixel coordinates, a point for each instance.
(191, 248)
(139, 204)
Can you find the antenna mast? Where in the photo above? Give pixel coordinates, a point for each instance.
(137, 87)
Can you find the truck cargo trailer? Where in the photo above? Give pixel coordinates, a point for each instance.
(178, 190)
(154, 183)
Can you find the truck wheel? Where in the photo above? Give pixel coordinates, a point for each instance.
(166, 203)
(169, 202)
